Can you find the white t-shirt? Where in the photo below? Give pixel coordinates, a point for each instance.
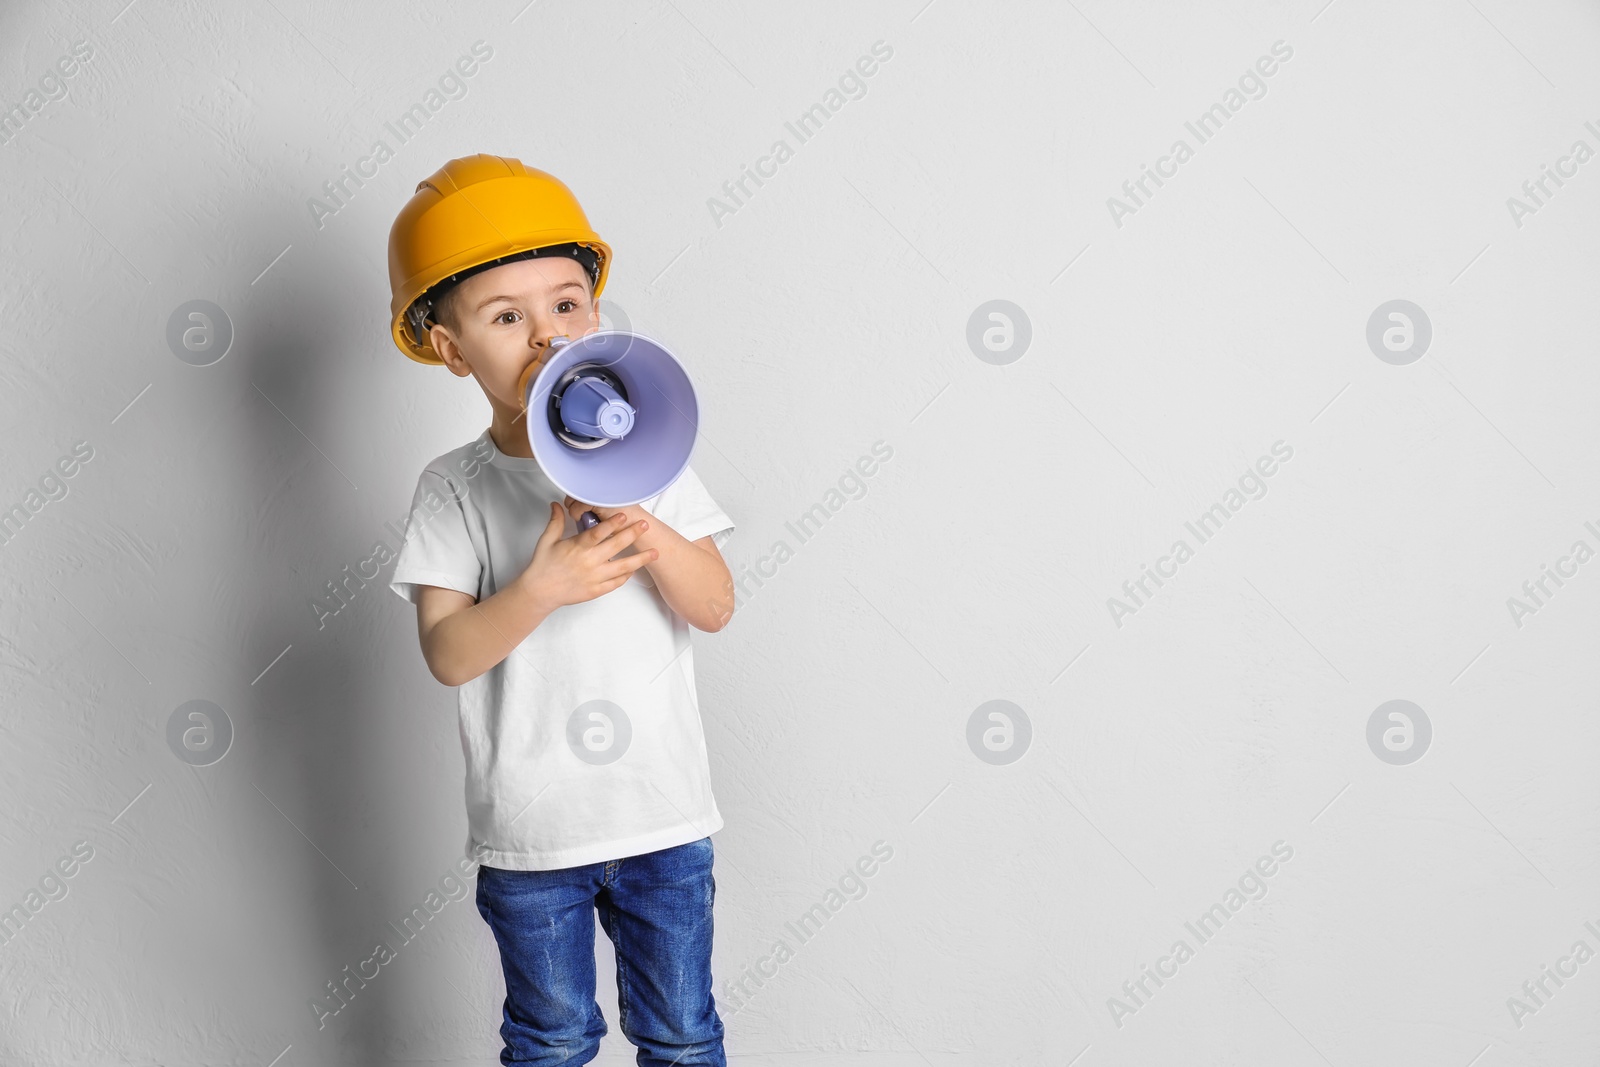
(545, 784)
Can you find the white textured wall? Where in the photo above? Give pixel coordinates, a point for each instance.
(1169, 750)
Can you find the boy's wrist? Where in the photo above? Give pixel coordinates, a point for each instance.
(535, 591)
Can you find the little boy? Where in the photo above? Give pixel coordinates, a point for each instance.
(587, 783)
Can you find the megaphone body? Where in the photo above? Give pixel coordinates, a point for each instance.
(612, 418)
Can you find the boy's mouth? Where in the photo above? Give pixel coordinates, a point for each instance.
(527, 376)
(533, 368)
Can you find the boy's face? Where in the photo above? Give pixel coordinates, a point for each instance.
(505, 318)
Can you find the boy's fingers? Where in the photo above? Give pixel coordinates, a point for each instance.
(628, 564)
(621, 539)
(618, 582)
(608, 528)
(596, 533)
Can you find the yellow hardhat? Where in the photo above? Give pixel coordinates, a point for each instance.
(471, 214)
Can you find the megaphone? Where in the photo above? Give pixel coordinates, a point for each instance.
(612, 418)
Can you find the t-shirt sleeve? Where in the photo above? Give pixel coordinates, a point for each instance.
(687, 507)
(438, 548)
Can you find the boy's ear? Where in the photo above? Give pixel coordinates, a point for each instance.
(448, 350)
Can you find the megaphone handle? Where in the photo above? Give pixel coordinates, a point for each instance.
(588, 521)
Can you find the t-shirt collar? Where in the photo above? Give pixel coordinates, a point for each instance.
(512, 463)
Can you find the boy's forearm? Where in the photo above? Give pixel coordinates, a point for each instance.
(694, 583)
(466, 643)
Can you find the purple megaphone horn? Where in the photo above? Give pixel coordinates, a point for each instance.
(612, 418)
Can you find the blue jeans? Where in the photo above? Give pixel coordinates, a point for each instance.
(656, 908)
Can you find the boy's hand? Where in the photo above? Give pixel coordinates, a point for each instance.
(571, 570)
(691, 576)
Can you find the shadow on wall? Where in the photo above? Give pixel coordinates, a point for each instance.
(349, 714)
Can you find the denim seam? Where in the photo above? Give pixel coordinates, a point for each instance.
(622, 973)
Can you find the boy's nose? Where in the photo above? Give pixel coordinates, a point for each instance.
(542, 353)
(545, 345)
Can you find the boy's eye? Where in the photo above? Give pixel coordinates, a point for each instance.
(565, 307)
